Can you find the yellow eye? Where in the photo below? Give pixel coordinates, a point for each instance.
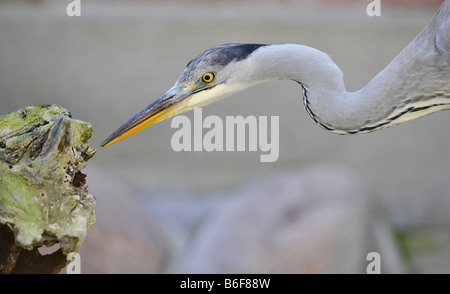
(208, 77)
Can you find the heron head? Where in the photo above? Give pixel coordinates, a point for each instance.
(214, 74)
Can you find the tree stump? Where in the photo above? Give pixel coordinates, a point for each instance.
(44, 198)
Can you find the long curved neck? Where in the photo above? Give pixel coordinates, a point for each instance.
(393, 96)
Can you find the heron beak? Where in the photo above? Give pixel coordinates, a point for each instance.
(171, 103)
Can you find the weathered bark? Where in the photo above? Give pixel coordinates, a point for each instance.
(44, 198)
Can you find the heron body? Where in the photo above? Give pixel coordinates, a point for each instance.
(415, 83)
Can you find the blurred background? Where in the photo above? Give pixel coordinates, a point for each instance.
(325, 204)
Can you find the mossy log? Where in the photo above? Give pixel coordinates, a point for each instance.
(44, 198)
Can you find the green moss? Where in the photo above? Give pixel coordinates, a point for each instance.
(27, 119)
(43, 194)
(21, 207)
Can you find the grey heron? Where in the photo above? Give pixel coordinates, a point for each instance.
(415, 83)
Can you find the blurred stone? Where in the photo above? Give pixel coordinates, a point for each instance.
(124, 238)
(382, 239)
(308, 221)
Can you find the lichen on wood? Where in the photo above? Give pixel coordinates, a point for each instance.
(43, 193)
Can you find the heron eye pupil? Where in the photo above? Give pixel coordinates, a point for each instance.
(208, 77)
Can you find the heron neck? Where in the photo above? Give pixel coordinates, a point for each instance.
(386, 100)
(324, 94)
